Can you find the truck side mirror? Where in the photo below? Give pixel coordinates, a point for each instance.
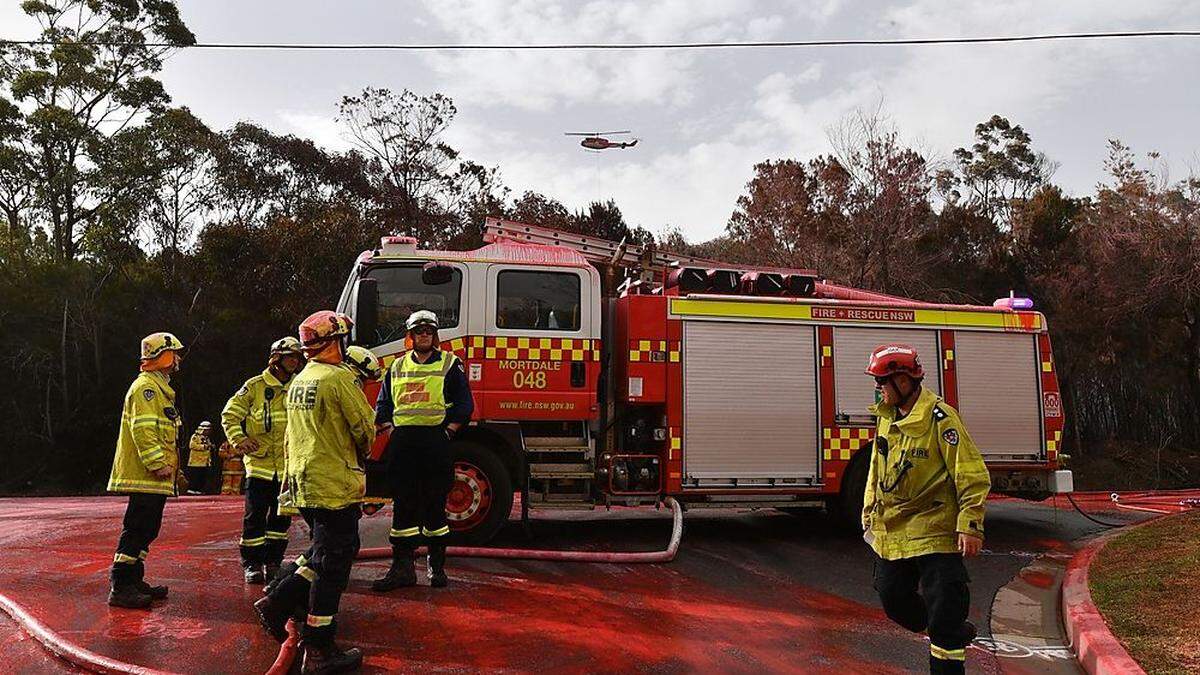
(366, 312)
(436, 273)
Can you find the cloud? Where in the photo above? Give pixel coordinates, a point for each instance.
(321, 129)
(538, 81)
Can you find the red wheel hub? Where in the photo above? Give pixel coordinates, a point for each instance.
(470, 497)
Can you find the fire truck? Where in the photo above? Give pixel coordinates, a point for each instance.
(608, 374)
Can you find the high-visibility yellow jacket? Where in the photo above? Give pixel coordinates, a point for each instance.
(330, 429)
(418, 390)
(257, 411)
(929, 486)
(147, 439)
(199, 451)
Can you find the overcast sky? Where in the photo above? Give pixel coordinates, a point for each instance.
(705, 118)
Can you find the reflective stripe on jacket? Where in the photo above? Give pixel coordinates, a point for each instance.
(929, 486)
(330, 429)
(147, 439)
(257, 411)
(419, 390)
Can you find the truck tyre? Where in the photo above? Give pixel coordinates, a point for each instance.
(480, 497)
(847, 507)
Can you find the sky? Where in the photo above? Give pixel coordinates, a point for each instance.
(704, 118)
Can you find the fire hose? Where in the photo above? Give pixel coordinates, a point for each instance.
(287, 652)
(67, 650)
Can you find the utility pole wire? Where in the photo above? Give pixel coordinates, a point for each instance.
(582, 46)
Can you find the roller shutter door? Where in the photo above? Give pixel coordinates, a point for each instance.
(998, 393)
(750, 405)
(852, 348)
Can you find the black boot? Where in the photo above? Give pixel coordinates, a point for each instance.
(254, 574)
(128, 596)
(400, 575)
(437, 565)
(155, 592)
(272, 618)
(270, 571)
(325, 657)
(281, 573)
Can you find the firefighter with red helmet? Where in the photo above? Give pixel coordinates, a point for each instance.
(144, 467)
(330, 429)
(426, 400)
(924, 507)
(255, 422)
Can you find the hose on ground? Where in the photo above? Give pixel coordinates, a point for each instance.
(1085, 514)
(66, 650)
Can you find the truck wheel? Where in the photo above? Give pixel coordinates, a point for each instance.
(481, 496)
(848, 506)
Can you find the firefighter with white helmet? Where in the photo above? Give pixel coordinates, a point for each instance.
(145, 467)
(363, 362)
(924, 507)
(199, 457)
(329, 433)
(426, 400)
(255, 421)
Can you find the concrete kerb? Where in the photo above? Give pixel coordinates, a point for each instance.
(1097, 649)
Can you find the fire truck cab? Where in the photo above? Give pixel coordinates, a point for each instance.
(604, 374)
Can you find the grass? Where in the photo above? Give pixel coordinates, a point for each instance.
(1146, 583)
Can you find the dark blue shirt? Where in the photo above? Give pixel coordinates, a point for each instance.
(456, 390)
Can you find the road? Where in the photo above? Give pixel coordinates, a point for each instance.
(751, 591)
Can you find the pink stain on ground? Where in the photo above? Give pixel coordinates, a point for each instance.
(497, 615)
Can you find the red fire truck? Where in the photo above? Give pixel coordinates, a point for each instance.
(606, 374)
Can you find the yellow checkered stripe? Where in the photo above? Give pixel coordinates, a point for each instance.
(477, 347)
(842, 443)
(642, 351)
(1053, 441)
(532, 348)
(676, 441)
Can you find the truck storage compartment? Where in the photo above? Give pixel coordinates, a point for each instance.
(749, 405)
(854, 391)
(999, 393)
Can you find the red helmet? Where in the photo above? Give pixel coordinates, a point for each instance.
(324, 325)
(895, 358)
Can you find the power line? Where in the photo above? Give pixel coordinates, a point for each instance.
(582, 46)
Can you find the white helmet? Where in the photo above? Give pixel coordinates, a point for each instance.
(364, 362)
(421, 317)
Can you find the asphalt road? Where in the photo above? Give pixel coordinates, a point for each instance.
(751, 591)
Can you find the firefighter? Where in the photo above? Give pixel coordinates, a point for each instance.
(426, 400)
(144, 467)
(231, 470)
(255, 420)
(329, 432)
(366, 368)
(924, 506)
(199, 458)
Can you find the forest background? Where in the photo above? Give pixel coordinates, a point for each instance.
(121, 214)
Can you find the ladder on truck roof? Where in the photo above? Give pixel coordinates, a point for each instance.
(607, 252)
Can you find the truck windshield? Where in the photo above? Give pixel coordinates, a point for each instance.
(401, 292)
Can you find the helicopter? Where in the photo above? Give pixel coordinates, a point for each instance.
(595, 140)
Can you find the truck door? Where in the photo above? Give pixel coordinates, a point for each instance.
(541, 352)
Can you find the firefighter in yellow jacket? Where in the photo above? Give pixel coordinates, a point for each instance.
(200, 451)
(255, 420)
(330, 429)
(145, 467)
(923, 509)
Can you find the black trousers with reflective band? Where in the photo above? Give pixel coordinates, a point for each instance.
(420, 471)
(335, 544)
(264, 531)
(929, 592)
(139, 529)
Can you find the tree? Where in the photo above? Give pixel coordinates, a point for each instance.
(538, 209)
(424, 187)
(998, 172)
(184, 186)
(93, 80)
